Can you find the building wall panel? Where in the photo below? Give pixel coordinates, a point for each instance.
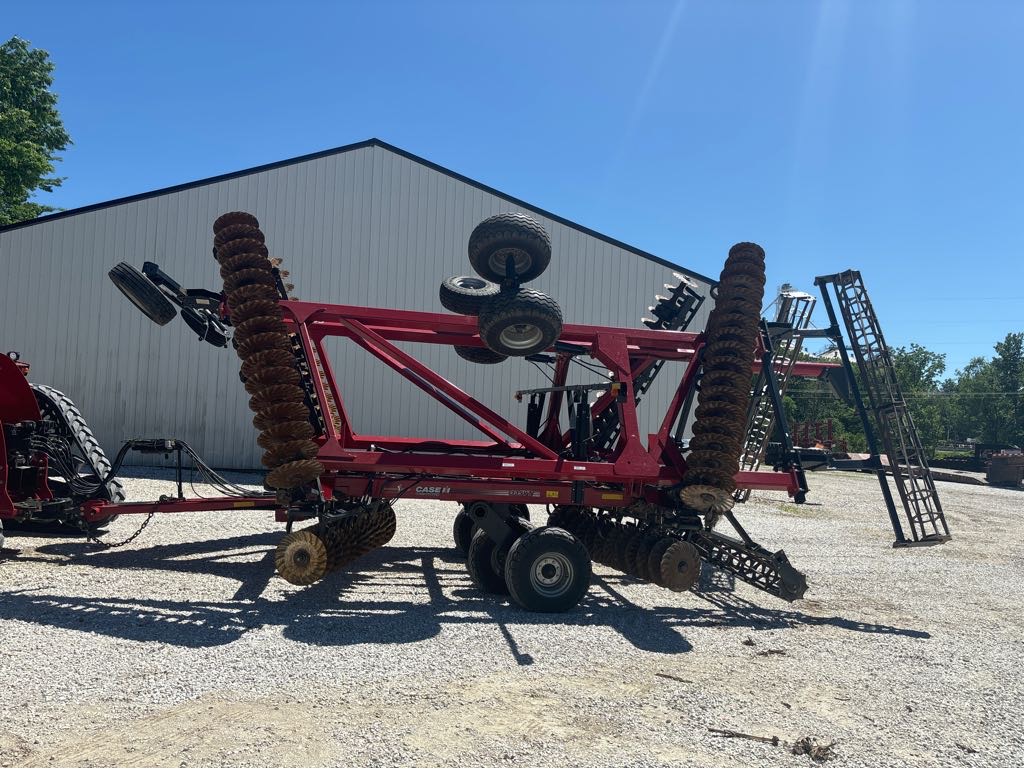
(366, 226)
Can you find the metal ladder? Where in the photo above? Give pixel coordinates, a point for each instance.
(674, 312)
(792, 315)
(892, 419)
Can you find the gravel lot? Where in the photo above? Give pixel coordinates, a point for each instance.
(184, 649)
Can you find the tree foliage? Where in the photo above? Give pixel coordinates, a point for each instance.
(31, 130)
(986, 397)
(984, 401)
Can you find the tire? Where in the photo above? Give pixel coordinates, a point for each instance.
(547, 570)
(514, 235)
(479, 354)
(143, 293)
(462, 531)
(520, 511)
(56, 406)
(486, 564)
(525, 323)
(467, 294)
(208, 327)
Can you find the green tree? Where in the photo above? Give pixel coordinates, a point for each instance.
(918, 371)
(987, 396)
(1008, 376)
(31, 131)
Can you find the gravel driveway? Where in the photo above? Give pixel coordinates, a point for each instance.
(184, 649)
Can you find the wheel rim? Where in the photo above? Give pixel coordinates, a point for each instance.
(552, 575)
(473, 284)
(521, 336)
(521, 260)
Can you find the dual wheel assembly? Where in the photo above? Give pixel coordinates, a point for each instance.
(545, 569)
(505, 251)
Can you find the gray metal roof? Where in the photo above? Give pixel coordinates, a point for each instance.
(348, 148)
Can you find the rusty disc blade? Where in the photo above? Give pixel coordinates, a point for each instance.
(234, 217)
(261, 342)
(243, 246)
(266, 308)
(680, 567)
(301, 558)
(707, 499)
(280, 412)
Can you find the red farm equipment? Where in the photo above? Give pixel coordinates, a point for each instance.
(648, 505)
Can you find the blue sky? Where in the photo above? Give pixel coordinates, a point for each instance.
(882, 136)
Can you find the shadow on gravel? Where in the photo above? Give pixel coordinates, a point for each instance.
(393, 595)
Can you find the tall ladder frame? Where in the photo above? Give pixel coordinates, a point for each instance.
(895, 426)
(792, 316)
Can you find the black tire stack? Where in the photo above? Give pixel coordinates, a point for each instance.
(724, 396)
(506, 251)
(270, 368)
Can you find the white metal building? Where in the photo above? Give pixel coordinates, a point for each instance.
(365, 224)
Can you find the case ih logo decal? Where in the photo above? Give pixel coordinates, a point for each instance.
(432, 489)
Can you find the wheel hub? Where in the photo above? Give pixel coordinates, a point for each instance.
(520, 260)
(521, 336)
(552, 574)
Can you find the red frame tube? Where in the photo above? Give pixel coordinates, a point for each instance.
(512, 466)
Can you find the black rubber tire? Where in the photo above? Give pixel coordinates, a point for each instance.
(485, 564)
(212, 331)
(479, 354)
(467, 294)
(520, 511)
(515, 234)
(521, 324)
(55, 405)
(528, 563)
(143, 293)
(462, 531)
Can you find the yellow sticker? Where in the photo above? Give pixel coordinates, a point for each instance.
(611, 496)
(554, 494)
(243, 504)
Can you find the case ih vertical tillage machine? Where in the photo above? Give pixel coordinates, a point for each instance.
(646, 505)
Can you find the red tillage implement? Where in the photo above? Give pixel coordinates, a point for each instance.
(647, 505)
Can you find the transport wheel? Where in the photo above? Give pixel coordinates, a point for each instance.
(514, 236)
(467, 294)
(520, 511)
(208, 327)
(524, 323)
(479, 354)
(485, 563)
(143, 293)
(547, 570)
(462, 531)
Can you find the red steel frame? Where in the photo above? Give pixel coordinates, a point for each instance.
(512, 465)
